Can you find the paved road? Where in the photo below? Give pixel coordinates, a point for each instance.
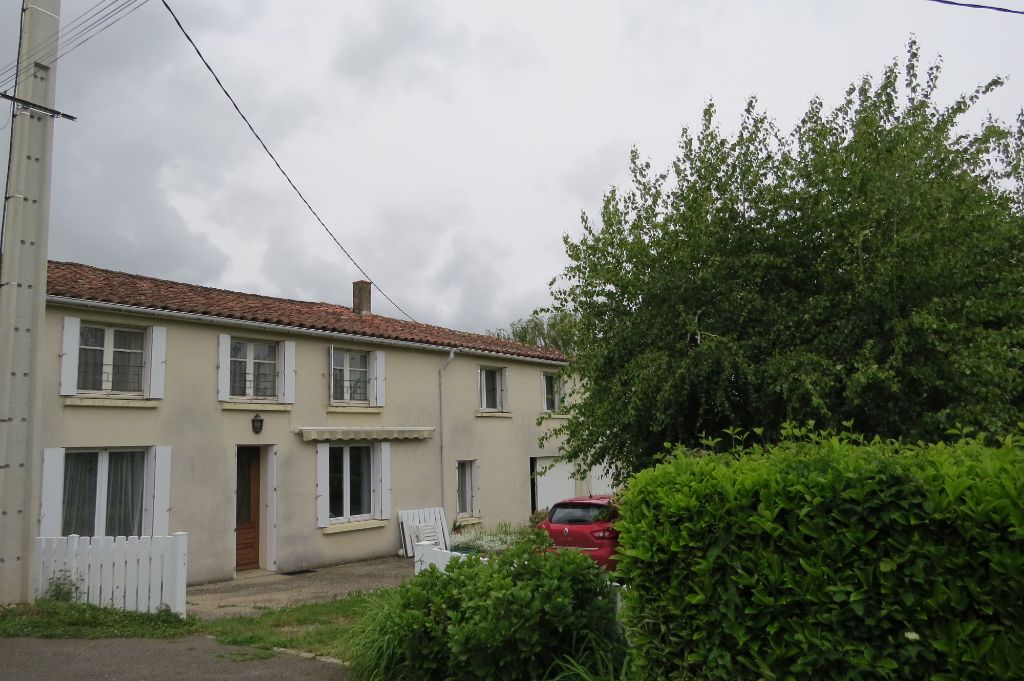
(115, 659)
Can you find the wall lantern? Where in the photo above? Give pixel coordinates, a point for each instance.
(257, 424)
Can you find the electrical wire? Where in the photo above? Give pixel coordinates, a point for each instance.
(276, 163)
(970, 5)
(78, 37)
(46, 44)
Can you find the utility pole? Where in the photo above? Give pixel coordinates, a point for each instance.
(23, 295)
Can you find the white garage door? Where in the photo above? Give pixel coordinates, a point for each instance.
(554, 485)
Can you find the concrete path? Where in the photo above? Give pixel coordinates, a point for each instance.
(259, 590)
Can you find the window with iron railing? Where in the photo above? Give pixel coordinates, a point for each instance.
(111, 360)
(349, 376)
(253, 369)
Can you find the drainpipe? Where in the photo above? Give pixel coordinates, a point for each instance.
(440, 426)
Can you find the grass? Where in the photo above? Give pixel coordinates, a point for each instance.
(57, 619)
(316, 628)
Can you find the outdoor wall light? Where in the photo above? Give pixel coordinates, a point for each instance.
(257, 424)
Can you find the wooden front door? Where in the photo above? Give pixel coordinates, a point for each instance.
(247, 509)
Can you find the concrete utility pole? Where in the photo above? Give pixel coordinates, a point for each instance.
(23, 296)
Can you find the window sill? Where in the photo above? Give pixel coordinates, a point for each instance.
(464, 520)
(353, 409)
(255, 406)
(137, 402)
(486, 413)
(547, 415)
(352, 527)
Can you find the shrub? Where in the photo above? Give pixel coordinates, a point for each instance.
(513, 617)
(828, 560)
(499, 539)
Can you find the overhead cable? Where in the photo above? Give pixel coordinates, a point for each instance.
(971, 5)
(276, 163)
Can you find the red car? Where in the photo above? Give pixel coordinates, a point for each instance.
(584, 524)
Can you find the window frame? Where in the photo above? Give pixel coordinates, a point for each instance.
(380, 482)
(284, 374)
(471, 495)
(346, 369)
(500, 388)
(154, 353)
(555, 393)
(156, 488)
(346, 479)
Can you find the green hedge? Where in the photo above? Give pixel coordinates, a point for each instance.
(514, 618)
(828, 560)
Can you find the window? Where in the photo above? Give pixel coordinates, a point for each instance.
(256, 370)
(466, 489)
(551, 387)
(106, 360)
(105, 492)
(493, 388)
(357, 376)
(353, 482)
(253, 369)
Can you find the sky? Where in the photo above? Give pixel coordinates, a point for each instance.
(448, 145)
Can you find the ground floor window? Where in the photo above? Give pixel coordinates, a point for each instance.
(105, 492)
(466, 490)
(353, 482)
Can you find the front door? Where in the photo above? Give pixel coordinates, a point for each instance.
(247, 509)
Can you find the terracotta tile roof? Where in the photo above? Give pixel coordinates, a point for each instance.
(84, 282)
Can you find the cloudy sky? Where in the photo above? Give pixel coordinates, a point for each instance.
(448, 145)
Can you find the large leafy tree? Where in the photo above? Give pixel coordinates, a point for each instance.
(866, 267)
(542, 328)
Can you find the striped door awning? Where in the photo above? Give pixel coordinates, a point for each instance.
(365, 433)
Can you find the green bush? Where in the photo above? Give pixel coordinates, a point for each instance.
(828, 560)
(514, 617)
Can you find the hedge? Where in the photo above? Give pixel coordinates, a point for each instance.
(828, 560)
(514, 618)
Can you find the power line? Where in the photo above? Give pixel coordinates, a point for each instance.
(276, 163)
(970, 5)
(83, 34)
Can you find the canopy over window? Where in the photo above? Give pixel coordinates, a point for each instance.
(366, 433)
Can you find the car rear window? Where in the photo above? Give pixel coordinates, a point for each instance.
(578, 514)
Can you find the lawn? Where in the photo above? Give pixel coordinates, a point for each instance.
(315, 628)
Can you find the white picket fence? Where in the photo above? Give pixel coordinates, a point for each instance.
(130, 573)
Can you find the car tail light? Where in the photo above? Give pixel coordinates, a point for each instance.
(606, 533)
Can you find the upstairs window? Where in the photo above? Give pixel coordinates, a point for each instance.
(551, 389)
(357, 377)
(255, 370)
(103, 360)
(493, 383)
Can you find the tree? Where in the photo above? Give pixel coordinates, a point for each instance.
(864, 271)
(542, 328)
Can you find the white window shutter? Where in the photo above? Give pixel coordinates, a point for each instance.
(503, 406)
(52, 504)
(378, 380)
(69, 356)
(286, 368)
(543, 391)
(476, 488)
(161, 491)
(384, 480)
(330, 374)
(481, 399)
(323, 472)
(156, 358)
(224, 367)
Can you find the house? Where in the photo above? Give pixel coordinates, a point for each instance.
(279, 434)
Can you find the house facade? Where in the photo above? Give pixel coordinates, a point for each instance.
(279, 434)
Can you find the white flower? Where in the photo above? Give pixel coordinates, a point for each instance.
(912, 636)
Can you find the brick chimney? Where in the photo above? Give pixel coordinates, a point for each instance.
(361, 297)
